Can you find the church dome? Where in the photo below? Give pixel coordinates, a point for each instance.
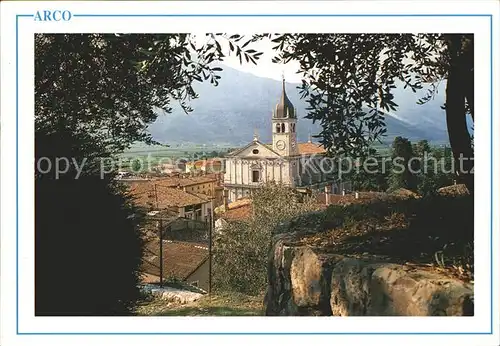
(284, 108)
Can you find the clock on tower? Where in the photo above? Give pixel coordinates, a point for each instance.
(284, 122)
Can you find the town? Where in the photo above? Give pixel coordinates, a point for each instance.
(194, 198)
(197, 186)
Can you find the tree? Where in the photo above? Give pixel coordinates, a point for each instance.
(112, 85)
(374, 179)
(88, 245)
(445, 174)
(427, 171)
(95, 95)
(402, 172)
(348, 81)
(136, 166)
(241, 248)
(421, 148)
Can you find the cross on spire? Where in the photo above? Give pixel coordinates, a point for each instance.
(255, 135)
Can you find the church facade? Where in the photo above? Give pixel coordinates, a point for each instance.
(298, 165)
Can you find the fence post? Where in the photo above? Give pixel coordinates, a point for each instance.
(161, 252)
(210, 228)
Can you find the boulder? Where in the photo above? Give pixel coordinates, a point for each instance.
(303, 280)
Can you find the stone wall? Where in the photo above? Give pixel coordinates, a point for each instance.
(305, 281)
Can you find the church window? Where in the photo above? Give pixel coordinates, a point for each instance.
(255, 151)
(282, 127)
(255, 176)
(278, 128)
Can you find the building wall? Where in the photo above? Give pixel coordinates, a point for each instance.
(205, 211)
(201, 275)
(239, 171)
(219, 197)
(204, 188)
(181, 212)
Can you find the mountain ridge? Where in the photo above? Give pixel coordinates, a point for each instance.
(230, 113)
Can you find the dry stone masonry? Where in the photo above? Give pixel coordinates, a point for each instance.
(306, 281)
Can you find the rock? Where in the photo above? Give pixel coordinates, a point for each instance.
(180, 297)
(350, 291)
(310, 276)
(175, 295)
(307, 281)
(399, 292)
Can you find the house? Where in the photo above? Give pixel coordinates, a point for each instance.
(168, 168)
(203, 184)
(236, 211)
(154, 195)
(214, 165)
(184, 261)
(303, 166)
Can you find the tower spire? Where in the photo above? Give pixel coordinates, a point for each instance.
(284, 108)
(283, 80)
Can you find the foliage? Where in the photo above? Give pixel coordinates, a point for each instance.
(432, 167)
(348, 82)
(241, 248)
(108, 85)
(430, 230)
(372, 178)
(88, 244)
(402, 173)
(136, 166)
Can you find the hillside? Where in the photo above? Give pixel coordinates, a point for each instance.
(229, 114)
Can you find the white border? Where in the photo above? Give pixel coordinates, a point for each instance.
(28, 323)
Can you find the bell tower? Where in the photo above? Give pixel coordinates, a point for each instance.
(284, 123)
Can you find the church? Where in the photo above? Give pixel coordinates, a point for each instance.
(299, 165)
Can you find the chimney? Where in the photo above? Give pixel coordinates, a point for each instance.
(327, 195)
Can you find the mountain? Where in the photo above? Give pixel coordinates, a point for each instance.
(242, 103)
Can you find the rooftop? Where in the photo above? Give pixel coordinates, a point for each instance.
(284, 108)
(239, 213)
(177, 181)
(310, 148)
(180, 259)
(200, 163)
(307, 148)
(165, 197)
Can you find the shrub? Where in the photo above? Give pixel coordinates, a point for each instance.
(241, 248)
(88, 247)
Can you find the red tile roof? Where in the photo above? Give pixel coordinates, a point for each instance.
(310, 148)
(176, 181)
(180, 259)
(165, 197)
(240, 213)
(307, 148)
(215, 162)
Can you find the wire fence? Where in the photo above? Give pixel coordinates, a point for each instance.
(177, 246)
(178, 229)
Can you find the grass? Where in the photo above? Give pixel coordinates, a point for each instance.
(156, 154)
(435, 233)
(225, 304)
